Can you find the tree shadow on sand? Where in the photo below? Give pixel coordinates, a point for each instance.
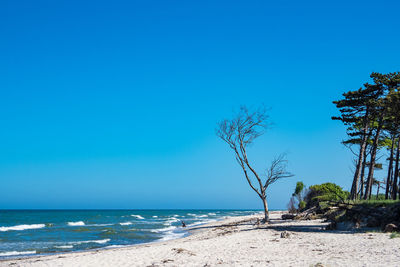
(278, 225)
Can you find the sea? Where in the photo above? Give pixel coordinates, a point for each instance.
(40, 232)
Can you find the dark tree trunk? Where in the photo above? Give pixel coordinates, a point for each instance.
(363, 147)
(390, 168)
(377, 191)
(372, 161)
(396, 171)
(363, 174)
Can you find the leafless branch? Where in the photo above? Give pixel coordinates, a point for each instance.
(277, 170)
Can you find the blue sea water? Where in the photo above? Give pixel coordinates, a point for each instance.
(35, 232)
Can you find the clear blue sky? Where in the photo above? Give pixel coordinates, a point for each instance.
(113, 104)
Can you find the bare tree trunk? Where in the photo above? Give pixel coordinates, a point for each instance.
(372, 160)
(363, 146)
(377, 190)
(363, 174)
(396, 171)
(266, 212)
(390, 168)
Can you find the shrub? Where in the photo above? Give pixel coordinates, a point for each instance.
(325, 192)
(302, 204)
(299, 188)
(298, 196)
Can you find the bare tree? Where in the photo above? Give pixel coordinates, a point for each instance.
(239, 133)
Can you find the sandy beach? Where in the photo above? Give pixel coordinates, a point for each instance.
(239, 241)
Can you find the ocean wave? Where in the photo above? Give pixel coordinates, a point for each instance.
(191, 214)
(170, 221)
(155, 216)
(100, 224)
(63, 246)
(15, 253)
(201, 222)
(21, 227)
(212, 213)
(171, 235)
(163, 229)
(125, 223)
(137, 216)
(202, 216)
(102, 241)
(80, 223)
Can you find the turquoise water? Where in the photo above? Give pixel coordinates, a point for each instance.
(35, 232)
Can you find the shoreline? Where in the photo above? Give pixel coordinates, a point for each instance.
(239, 241)
(188, 231)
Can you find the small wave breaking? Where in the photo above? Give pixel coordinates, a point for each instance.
(102, 241)
(22, 227)
(163, 229)
(16, 253)
(137, 216)
(80, 223)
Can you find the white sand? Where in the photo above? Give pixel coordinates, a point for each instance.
(238, 242)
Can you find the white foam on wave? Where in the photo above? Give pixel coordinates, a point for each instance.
(102, 241)
(172, 235)
(212, 213)
(163, 229)
(201, 222)
(168, 233)
(137, 216)
(155, 216)
(100, 224)
(171, 220)
(80, 223)
(191, 214)
(202, 216)
(15, 253)
(21, 227)
(125, 223)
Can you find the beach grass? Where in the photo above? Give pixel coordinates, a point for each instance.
(394, 235)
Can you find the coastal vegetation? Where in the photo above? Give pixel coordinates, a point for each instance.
(240, 132)
(329, 201)
(372, 117)
(297, 202)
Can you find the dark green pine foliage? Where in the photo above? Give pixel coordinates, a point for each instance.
(369, 113)
(393, 131)
(356, 114)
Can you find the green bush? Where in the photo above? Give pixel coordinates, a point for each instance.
(325, 192)
(299, 188)
(302, 204)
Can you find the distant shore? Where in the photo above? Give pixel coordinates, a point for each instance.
(240, 241)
